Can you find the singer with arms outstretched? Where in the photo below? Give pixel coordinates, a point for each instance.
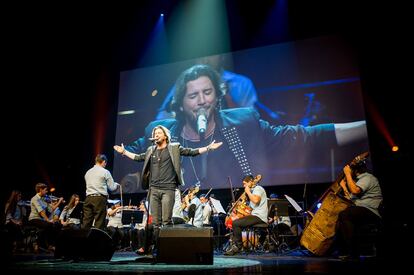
(162, 171)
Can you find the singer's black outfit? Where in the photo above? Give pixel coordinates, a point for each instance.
(165, 175)
(250, 145)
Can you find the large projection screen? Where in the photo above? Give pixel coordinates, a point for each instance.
(306, 82)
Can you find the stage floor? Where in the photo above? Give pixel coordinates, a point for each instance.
(293, 262)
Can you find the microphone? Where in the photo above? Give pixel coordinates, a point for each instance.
(201, 121)
(153, 139)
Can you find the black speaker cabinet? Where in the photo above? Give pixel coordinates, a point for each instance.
(185, 245)
(84, 245)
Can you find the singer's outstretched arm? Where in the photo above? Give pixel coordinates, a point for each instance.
(121, 149)
(212, 146)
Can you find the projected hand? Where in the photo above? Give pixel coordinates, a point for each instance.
(214, 145)
(120, 149)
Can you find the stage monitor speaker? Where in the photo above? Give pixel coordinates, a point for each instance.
(185, 245)
(84, 245)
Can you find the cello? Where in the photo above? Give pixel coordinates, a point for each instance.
(319, 232)
(240, 208)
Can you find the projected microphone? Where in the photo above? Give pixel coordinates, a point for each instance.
(201, 121)
(153, 139)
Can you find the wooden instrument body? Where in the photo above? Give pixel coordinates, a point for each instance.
(240, 208)
(319, 233)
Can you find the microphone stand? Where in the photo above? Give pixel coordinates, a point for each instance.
(233, 199)
(228, 210)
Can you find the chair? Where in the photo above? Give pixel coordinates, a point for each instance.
(30, 238)
(369, 236)
(252, 242)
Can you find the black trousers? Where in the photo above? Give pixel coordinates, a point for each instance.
(349, 224)
(48, 232)
(94, 209)
(241, 223)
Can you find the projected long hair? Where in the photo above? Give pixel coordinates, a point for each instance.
(191, 74)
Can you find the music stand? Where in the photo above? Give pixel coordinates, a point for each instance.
(77, 212)
(278, 207)
(132, 216)
(301, 212)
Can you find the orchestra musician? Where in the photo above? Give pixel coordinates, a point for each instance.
(138, 234)
(258, 202)
(364, 190)
(15, 212)
(205, 204)
(281, 224)
(66, 218)
(115, 226)
(178, 213)
(192, 205)
(40, 212)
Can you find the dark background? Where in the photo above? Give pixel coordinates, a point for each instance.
(61, 66)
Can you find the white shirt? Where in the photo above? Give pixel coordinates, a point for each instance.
(260, 210)
(206, 213)
(115, 220)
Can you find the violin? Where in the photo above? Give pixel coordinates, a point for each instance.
(51, 198)
(23, 203)
(240, 208)
(129, 207)
(193, 192)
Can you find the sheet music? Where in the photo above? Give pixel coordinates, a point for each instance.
(217, 205)
(294, 204)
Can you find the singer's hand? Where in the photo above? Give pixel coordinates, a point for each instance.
(119, 149)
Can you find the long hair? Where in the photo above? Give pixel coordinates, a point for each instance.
(72, 201)
(11, 203)
(166, 132)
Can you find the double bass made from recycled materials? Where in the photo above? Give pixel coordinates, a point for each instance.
(319, 232)
(240, 207)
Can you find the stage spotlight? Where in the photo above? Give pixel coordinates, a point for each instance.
(395, 148)
(319, 205)
(162, 15)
